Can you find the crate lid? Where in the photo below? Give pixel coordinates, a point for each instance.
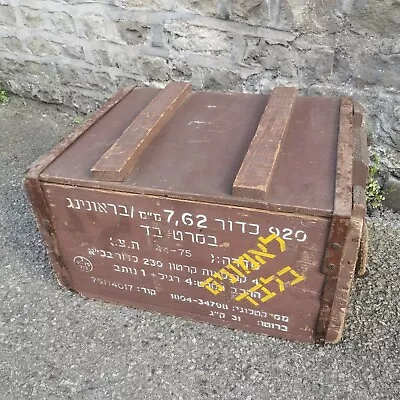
(275, 151)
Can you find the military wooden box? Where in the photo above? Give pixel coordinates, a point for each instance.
(240, 210)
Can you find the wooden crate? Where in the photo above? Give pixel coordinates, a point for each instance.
(240, 210)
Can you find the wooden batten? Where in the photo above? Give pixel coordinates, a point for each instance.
(257, 168)
(119, 160)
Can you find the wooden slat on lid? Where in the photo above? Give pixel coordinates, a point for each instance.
(344, 164)
(119, 160)
(256, 170)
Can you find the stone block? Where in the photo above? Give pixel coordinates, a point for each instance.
(69, 76)
(40, 46)
(202, 7)
(10, 43)
(62, 21)
(133, 32)
(85, 78)
(100, 57)
(271, 57)
(7, 15)
(83, 102)
(95, 26)
(321, 61)
(271, 13)
(370, 16)
(221, 80)
(153, 69)
(392, 193)
(377, 69)
(73, 51)
(188, 37)
(180, 70)
(11, 67)
(40, 74)
(124, 58)
(123, 81)
(32, 17)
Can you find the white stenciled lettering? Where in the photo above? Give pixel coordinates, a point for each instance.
(289, 234)
(272, 325)
(238, 226)
(179, 267)
(197, 238)
(113, 255)
(100, 207)
(152, 231)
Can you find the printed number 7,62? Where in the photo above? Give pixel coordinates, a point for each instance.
(188, 219)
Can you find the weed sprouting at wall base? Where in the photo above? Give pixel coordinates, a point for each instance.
(374, 192)
(3, 96)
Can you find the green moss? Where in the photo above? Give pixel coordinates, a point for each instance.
(374, 192)
(79, 119)
(3, 96)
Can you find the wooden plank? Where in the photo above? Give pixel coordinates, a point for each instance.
(257, 168)
(119, 160)
(334, 263)
(344, 165)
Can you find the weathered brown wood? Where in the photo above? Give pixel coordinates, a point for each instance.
(343, 282)
(344, 165)
(257, 168)
(175, 210)
(118, 161)
(43, 162)
(332, 265)
(34, 191)
(118, 223)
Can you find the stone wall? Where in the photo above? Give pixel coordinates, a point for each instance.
(78, 52)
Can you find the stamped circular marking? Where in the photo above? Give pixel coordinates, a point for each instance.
(84, 264)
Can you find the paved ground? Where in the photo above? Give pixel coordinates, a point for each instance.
(55, 345)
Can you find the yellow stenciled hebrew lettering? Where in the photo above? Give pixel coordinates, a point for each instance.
(270, 238)
(242, 263)
(235, 270)
(208, 285)
(269, 294)
(260, 255)
(231, 277)
(246, 295)
(298, 278)
(254, 264)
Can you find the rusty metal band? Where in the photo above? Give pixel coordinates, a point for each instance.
(333, 263)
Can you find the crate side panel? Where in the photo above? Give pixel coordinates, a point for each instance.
(156, 253)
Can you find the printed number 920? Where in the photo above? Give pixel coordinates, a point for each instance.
(289, 234)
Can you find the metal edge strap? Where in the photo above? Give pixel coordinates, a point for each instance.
(117, 162)
(340, 223)
(256, 170)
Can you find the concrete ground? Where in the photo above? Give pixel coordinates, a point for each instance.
(56, 345)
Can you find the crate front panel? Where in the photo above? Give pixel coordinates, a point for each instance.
(238, 267)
